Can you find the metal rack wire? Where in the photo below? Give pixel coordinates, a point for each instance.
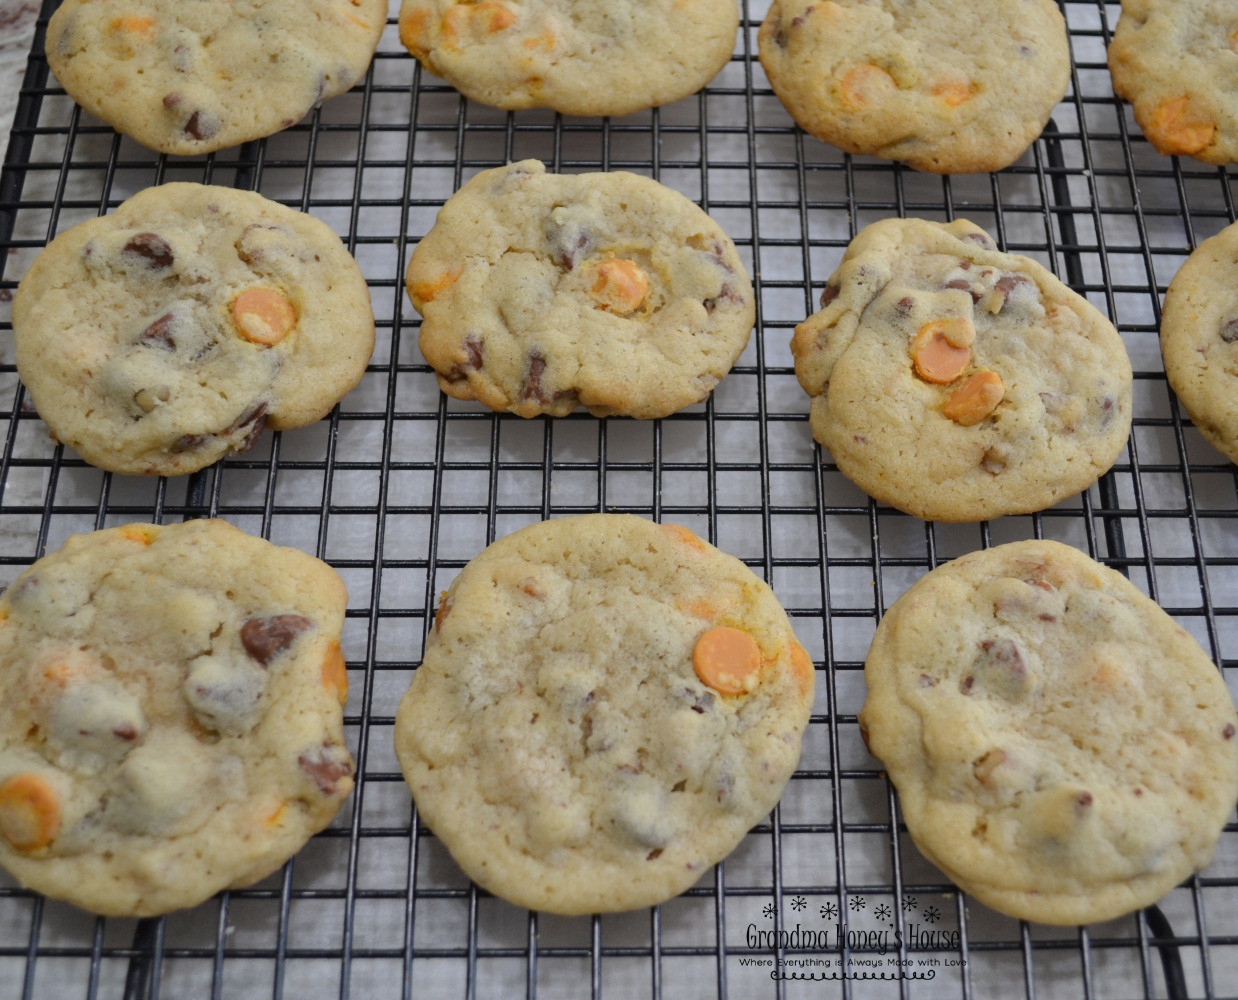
(401, 486)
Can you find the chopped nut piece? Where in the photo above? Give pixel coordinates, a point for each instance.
(621, 286)
(728, 660)
(263, 316)
(975, 399)
(941, 351)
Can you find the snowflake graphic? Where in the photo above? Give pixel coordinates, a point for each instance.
(909, 903)
(799, 903)
(932, 914)
(829, 911)
(858, 903)
(769, 910)
(882, 912)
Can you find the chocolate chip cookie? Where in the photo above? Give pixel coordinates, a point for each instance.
(580, 57)
(1062, 749)
(170, 715)
(947, 86)
(1199, 339)
(1176, 61)
(958, 383)
(192, 76)
(605, 708)
(543, 292)
(161, 338)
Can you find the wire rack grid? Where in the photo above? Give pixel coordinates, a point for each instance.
(400, 486)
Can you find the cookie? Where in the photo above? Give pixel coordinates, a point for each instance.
(1176, 61)
(170, 715)
(958, 383)
(1062, 749)
(606, 706)
(1199, 339)
(543, 292)
(191, 76)
(580, 57)
(947, 86)
(160, 338)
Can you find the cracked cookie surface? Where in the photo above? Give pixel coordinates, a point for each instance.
(1176, 61)
(959, 383)
(1199, 339)
(559, 737)
(580, 57)
(191, 76)
(543, 292)
(947, 86)
(162, 337)
(1062, 749)
(170, 715)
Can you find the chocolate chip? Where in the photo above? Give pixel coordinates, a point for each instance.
(962, 284)
(172, 100)
(1000, 670)
(703, 702)
(265, 638)
(1228, 731)
(1106, 411)
(927, 682)
(153, 249)
(159, 334)
(126, 732)
(904, 305)
(1229, 330)
(829, 294)
(255, 418)
(655, 853)
(965, 265)
(475, 349)
(1007, 283)
(725, 294)
(780, 37)
(1084, 799)
(201, 126)
(532, 388)
(189, 442)
(326, 767)
(984, 239)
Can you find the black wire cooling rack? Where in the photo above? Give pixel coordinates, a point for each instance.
(401, 486)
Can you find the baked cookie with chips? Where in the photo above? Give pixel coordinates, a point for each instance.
(1062, 749)
(193, 76)
(959, 383)
(1176, 61)
(947, 86)
(544, 292)
(606, 706)
(160, 338)
(580, 57)
(170, 715)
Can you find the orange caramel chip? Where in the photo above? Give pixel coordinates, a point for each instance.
(29, 812)
(335, 672)
(493, 16)
(801, 664)
(975, 399)
(727, 660)
(444, 609)
(621, 286)
(686, 536)
(867, 84)
(415, 30)
(263, 316)
(134, 25)
(143, 534)
(426, 291)
(1175, 128)
(953, 91)
(941, 349)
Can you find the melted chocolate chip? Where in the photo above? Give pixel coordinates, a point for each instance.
(962, 284)
(154, 251)
(475, 349)
(326, 767)
(927, 682)
(780, 37)
(265, 638)
(189, 442)
(532, 388)
(1229, 330)
(1084, 799)
(125, 732)
(905, 305)
(255, 418)
(1000, 670)
(983, 239)
(172, 100)
(829, 294)
(201, 126)
(1228, 731)
(159, 334)
(654, 854)
(724, 294)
